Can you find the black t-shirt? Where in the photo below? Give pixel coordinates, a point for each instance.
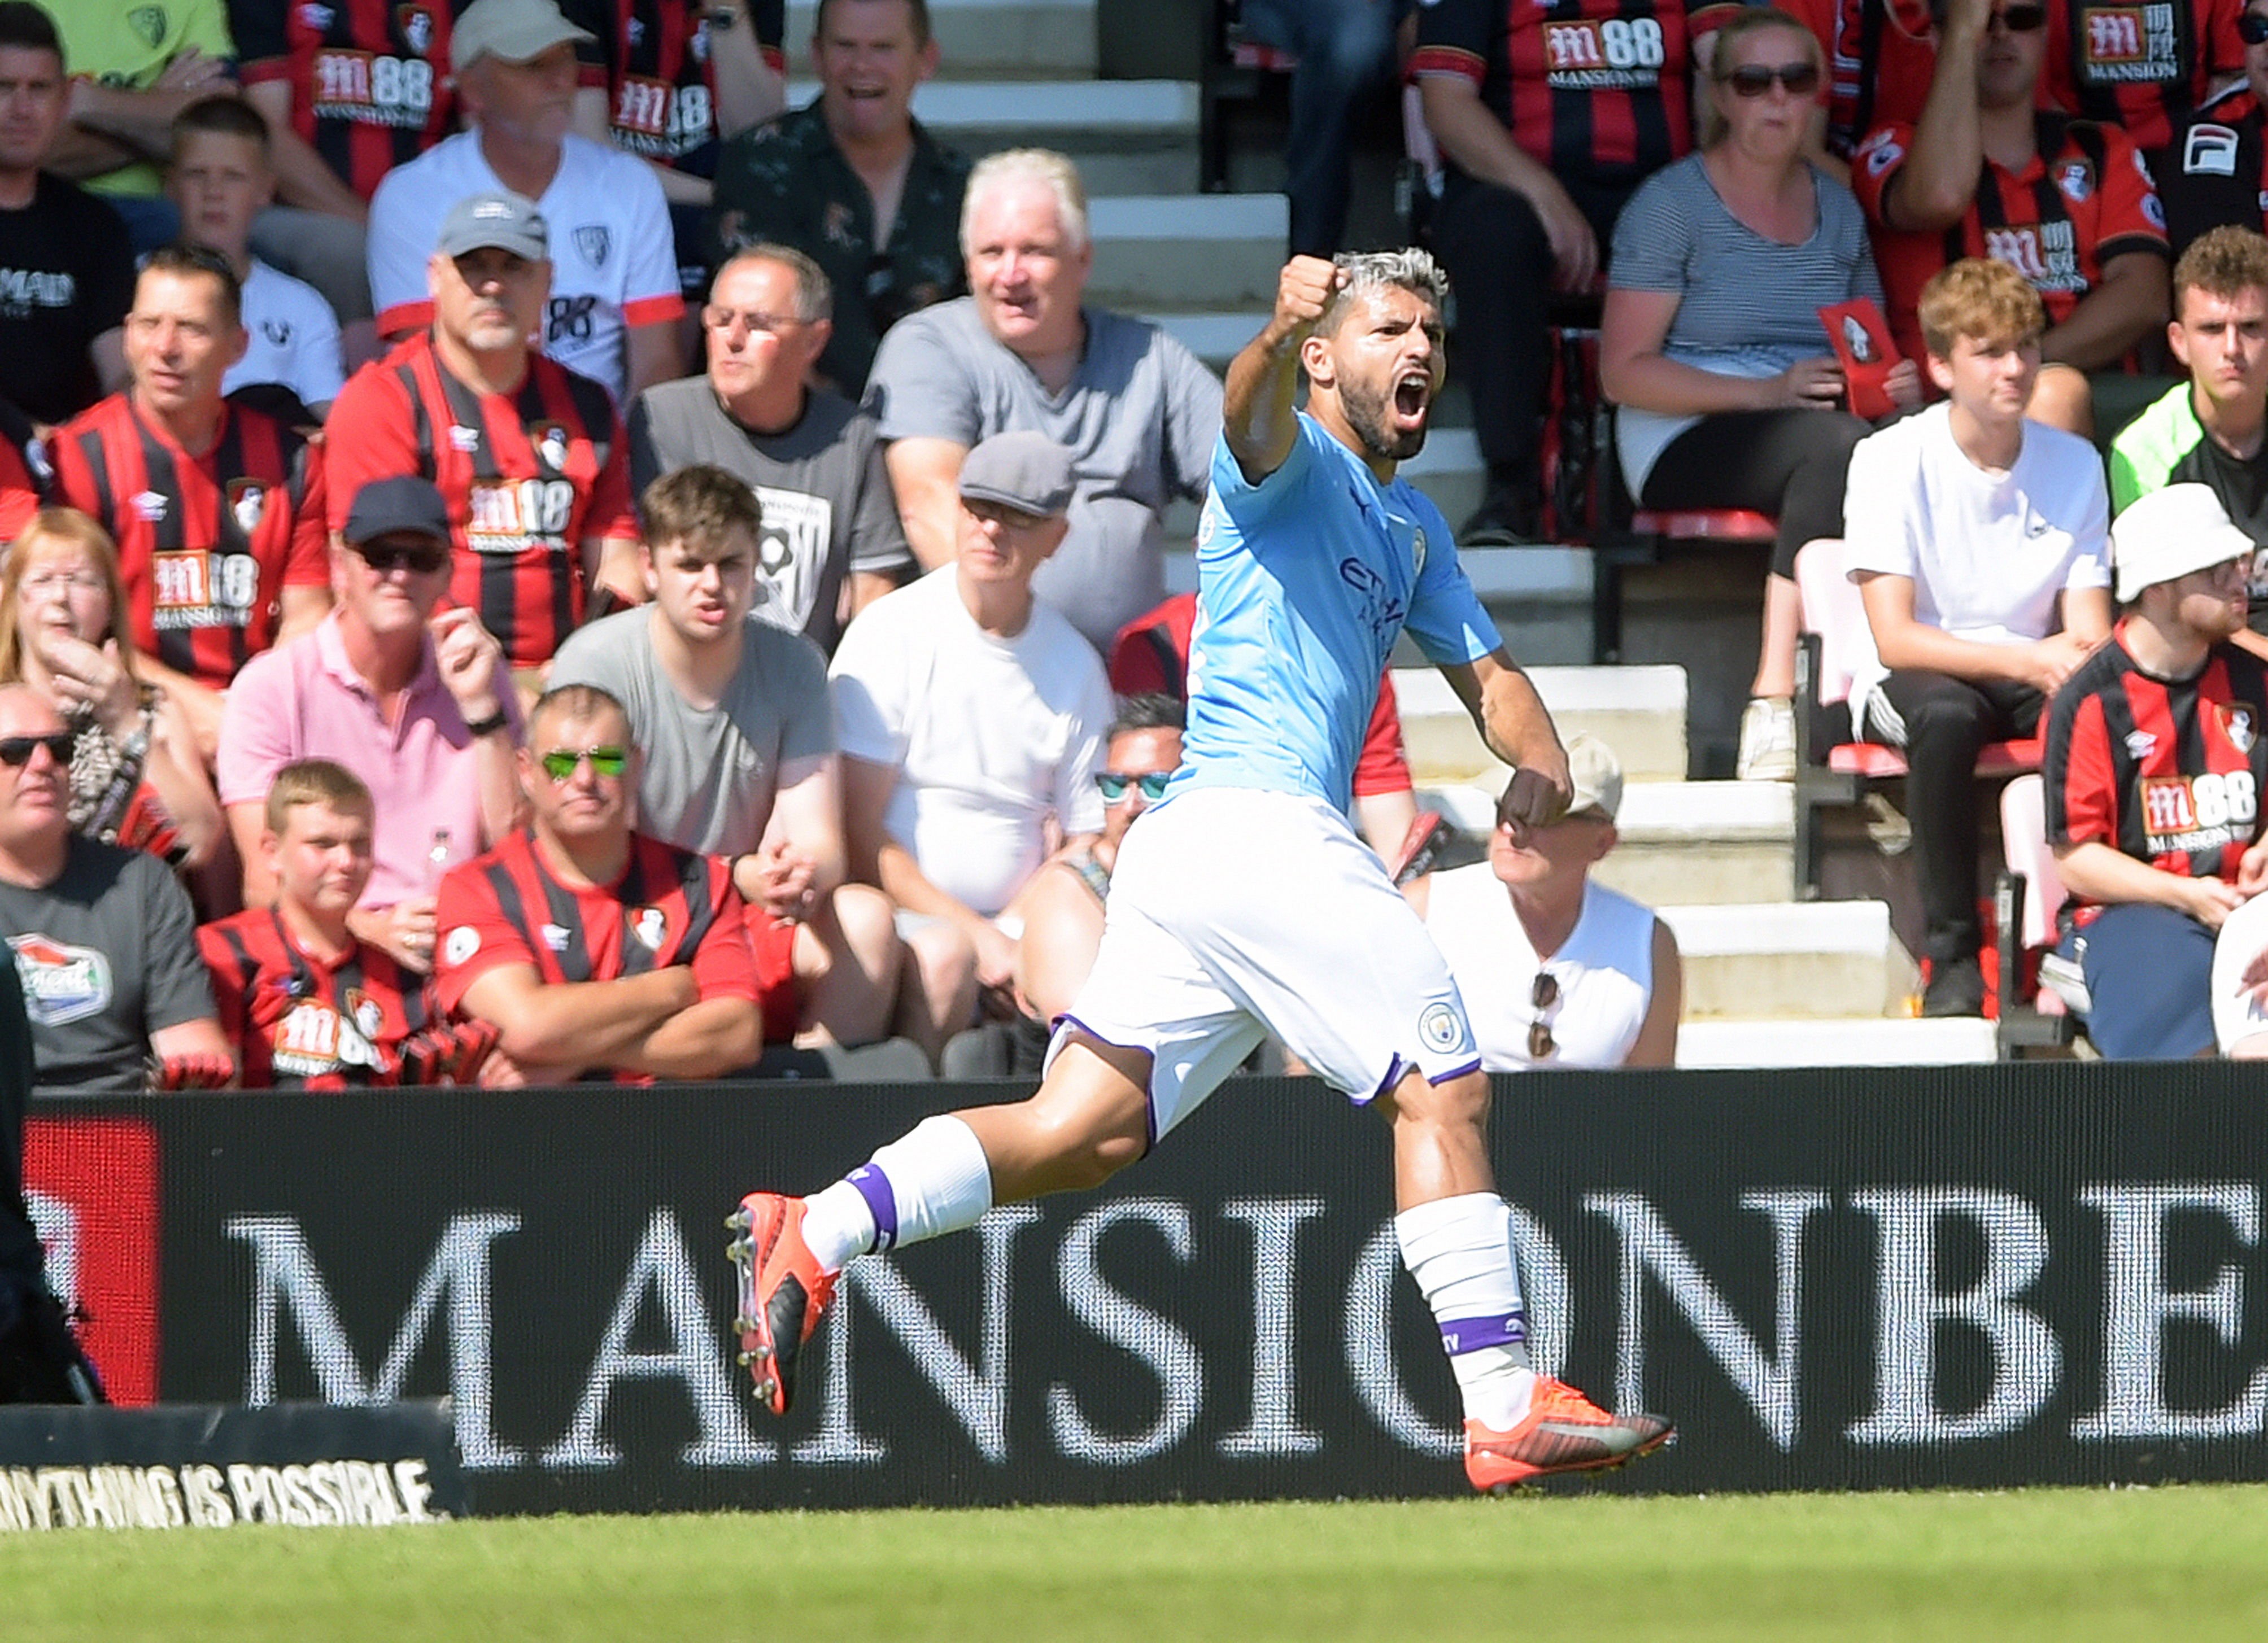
(66, 276)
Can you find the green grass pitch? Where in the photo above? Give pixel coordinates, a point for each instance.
(2187, 1563)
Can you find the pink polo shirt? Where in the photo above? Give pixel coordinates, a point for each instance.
(304, 700)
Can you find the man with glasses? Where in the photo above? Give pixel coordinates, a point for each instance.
(104, 938)
(831, 544)
(1063, 909)
(416, 704)
(2155, 760)
(1556, 970)
(529, 453)
(737, 734)
(2068, 203)
(593, 950)
(2215, 169)
(972, 717)
(853, 182)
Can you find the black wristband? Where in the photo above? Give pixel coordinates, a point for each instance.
(489, 726)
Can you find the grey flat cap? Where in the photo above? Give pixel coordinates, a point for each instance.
(517, 30)
(509, 221)
(1026, 471)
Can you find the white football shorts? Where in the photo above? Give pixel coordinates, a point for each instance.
(1235, 912)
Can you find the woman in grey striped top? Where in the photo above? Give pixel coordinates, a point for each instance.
(1712, 343)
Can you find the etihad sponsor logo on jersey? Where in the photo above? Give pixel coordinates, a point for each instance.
(62, 983)
(2046, 255)
(515, 515)
(202, 590)
(2129, 44)
(2194, 814)
(1617, 55)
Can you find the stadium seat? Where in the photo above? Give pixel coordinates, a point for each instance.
(1650, 532)
(1830, 769)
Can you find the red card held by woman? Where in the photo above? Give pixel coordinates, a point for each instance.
(1861, 340)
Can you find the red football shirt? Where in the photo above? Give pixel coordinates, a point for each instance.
(661, 86)
(2139, 67)
(297, 1023)
(206, 544)
(529, 477)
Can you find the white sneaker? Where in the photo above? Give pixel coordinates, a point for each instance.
(1767, 740)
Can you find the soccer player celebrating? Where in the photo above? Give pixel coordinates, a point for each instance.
(1245, 903)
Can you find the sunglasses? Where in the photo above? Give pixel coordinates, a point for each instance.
(1754, 79)
(2021, 19)
(1114, 786)
(560, 762)
(16, 750)
(717, 317)
(1543, 997)
(423, 558)
(2252, 28)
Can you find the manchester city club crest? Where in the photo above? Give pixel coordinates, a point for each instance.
(594, 240)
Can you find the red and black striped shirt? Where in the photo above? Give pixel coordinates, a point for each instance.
(670, 907)
(530, 477)
(297, 1023)
(2139, 67)
(206, 545)
(1593, 89)
(2167, 771)
(370, 79)
(661, 86)
(2087, 197)
(1881, 56)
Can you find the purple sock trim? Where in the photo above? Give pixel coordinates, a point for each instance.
(874, 1187)
(1473, 1334)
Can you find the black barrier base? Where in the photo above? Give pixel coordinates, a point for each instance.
(189, 1466)
(1867, 1278)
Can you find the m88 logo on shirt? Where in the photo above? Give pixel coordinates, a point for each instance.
(2047, 256)
(379, 91)
(202, 590)
(515, 515)
(2198, 813)
(1617, 55)
(652, 116)
(2129, 43)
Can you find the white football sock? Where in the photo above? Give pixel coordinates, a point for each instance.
(1460, 1251)
(933, 1180)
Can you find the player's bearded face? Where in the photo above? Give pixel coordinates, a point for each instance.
(1388, 364)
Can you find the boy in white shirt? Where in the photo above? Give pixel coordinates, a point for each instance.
(1979, 541)
(221, 179)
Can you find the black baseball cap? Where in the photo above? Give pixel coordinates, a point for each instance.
(400, 505)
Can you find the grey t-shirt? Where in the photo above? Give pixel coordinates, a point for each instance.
(712, 773)
(107, 955)
(1747, 306)
(1139, 418)
(827, 501)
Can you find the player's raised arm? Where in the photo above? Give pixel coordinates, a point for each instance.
(1518, 729)
(1257, 410)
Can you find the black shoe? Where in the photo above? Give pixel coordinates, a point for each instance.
(1956, 988)
(1502, 520)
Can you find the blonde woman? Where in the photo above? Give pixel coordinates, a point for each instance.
(135, 779)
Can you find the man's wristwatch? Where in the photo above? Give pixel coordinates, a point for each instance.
(489, 726)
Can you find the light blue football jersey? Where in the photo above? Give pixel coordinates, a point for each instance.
(1304, 581)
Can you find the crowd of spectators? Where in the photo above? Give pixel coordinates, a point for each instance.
(584, 571)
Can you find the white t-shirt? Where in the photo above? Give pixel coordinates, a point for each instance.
(614, 263)
(295, 338)
(1604, 969)
(1988, 553)
(989, 736)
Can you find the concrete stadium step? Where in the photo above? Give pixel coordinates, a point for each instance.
(1638, 711)
(988, 37)
(1795, 960)
(1684, 843)
(1199, 249)
(1128, 137)
(1847, 1043)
